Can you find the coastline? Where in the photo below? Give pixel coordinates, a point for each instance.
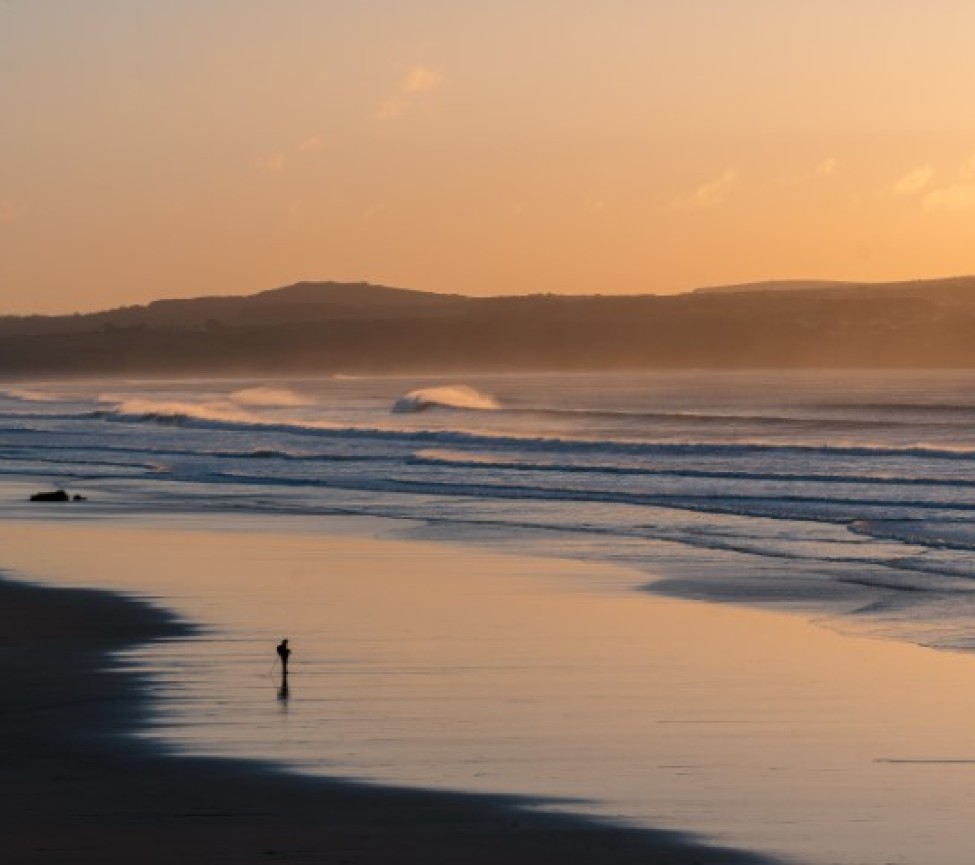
(76, 789)
(479, 605)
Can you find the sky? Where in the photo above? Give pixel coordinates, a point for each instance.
(198, 147)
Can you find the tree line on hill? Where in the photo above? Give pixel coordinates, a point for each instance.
(362, 328)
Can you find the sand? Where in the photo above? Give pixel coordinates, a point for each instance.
(459, 668)
(75, 789)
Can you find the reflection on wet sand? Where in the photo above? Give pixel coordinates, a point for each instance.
(443, 666)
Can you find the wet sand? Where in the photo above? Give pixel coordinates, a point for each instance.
(75, 789)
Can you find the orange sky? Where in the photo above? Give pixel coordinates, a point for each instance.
(226, 146)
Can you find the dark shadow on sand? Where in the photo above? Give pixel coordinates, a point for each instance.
(74, 790)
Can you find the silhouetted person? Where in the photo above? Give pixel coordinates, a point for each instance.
(284, 653)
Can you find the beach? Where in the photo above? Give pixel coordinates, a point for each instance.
(543, 711)
(76, 791)
(460, 433)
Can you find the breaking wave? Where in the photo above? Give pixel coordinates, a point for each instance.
(456, 396)
(220, 416)
(26, 395)
(181, 412)
(864, 493)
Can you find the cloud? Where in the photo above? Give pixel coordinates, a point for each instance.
(275, 163)
(396, 106)
(312, 144)
(418, 81)
(959, 195)
(826, 167)
(709, 194)
(914, 181)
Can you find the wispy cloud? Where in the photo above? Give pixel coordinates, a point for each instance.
(822, 170)
(914, 181)
(281, 160)
(312, 144)
(415, 83)
(275, 163)
(827, 167)
(709, 194)
(395, 106)
(420, 79)
(959, 195)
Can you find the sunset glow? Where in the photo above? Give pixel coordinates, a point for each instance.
(178, 149)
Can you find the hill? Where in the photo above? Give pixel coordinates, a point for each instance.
(774, 285)
(956, 286)
(341, 327)
(303, 301)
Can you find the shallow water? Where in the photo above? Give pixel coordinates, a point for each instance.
(440, 665)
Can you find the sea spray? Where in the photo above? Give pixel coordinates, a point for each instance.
(176, 412)
(456, 396)
(25, 395)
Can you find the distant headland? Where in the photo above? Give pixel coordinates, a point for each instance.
(337, 327)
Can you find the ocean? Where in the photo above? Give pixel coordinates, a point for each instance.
(844, 497)
(851, 489)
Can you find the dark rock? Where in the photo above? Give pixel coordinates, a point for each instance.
(56, 496)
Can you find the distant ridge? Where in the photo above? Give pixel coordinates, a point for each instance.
(350, 294)
(302, 301)
(775, 285)
(914, 286)
(363, 328)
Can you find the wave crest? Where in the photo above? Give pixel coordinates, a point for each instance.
(179, 412)
(457, 396)
(26, 395)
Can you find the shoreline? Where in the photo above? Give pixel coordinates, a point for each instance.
(77, 789)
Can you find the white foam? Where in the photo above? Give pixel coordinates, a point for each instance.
(27, 395)
(211, 411)
(457, 396)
